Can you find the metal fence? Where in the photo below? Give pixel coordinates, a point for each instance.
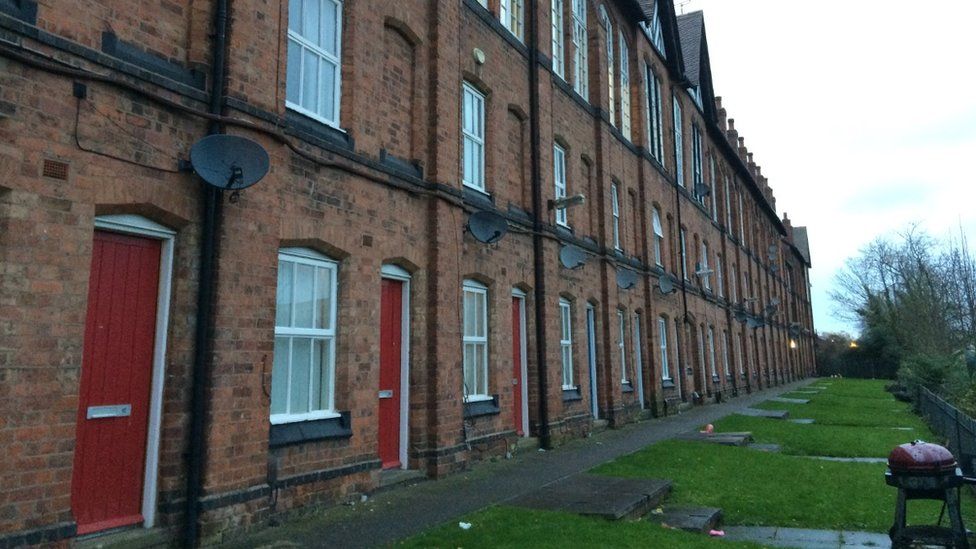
(956, 427)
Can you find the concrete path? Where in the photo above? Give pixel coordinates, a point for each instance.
(807, 539)
(402, 512)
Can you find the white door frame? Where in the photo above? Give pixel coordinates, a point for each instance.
(523, 369)
(394, 272)
(591, 358)
(638, 361)
(137, 225)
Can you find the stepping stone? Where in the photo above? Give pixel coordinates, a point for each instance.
(790, 400)
(803, 421)
(902, 428)
(850, 459)
(725, 439)
(762, 447)
(594, 495)
(690, 519)
(817, 392)
(755, 412)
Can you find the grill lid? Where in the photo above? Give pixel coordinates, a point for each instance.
(921, 457)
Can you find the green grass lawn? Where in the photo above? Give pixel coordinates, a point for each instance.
(512, 527)
(829, 410)
(822, 440)
(759, 488)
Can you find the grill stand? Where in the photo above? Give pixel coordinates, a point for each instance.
(944, 488)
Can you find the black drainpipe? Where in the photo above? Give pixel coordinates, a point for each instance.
(204, 329)
(538, 226)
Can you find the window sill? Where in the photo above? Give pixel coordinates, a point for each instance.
(284, 434)
(715, 378)
(626, 387)
(317, 130)
(668, 383)
(482, 407)
(572, 394)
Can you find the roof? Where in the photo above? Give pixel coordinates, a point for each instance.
(802, 242)
(669, 30)
(690, 29)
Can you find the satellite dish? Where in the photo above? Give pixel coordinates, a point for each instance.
(487, 227)
(229, 162)
(755, 323)
(666, 284)
(741, 316)
(626, 279)
(774, 301)
(774, 268)
(572, 257)
(702, 189)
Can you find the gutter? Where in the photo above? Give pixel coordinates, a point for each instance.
(538, 226)
(203, 341)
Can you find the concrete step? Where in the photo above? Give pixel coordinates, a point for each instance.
(527, 444)
(691, 519)
(400, 477)
(600, 425)
(756, 412)
(725, 439)
(594, 495)
(124, 538)
(790, 400)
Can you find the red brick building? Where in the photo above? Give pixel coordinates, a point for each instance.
(343, 319)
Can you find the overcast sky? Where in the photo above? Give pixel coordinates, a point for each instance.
(862, 114)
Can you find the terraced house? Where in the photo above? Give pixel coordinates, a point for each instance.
(483, 220)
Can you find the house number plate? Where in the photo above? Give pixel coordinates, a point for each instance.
(386, 394)
(116, 410)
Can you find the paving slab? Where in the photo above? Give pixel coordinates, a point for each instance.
(725, 439)
(790, 400)
(865, 539)
(755, 412)
(802, 421)
(850, 459)
(763, 447)
(594, 495)
(806, 538)
(691, 519)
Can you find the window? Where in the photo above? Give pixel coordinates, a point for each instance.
(510, 12)
(473, 130)
(314, 52)
(742, 230)
(701, 354)
(303, 369)
(615, 207)
(662, 328)
(711, 351)
(696, 164)
(638, 360)
(725, 353)
(658, 236)
(653, 122)
(734, 283)
(714, 187)
(684, 256)
(728, 206)
(622, 347)
(558, 55)
(719, 276)
(475, 341)
(679, 168)
(654, 32)
(608, 29)
(581, 76)
(624, 87)
(559, 176)
(738, 354)
(706, 279)
(566, 343)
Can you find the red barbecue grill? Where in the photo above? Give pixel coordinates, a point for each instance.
(921, 470)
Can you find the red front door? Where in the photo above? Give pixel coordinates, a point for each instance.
(116, 370)
(517, 380)
(391, 362)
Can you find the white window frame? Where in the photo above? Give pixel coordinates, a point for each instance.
(580, 58)
(719, 277)
(303, 256)
(742, 229)
(734, 283)
(711, 351)
(656, 33)
(331, 119)
(615, 211)
(725, 353)
(558, 40)
(728, 206)
(714, 187)
(662, 328)
(738, 353)
(622, 346)
(624, 86)
(559, 182)
(473, 133)
(705, 278)
(608, 30)
(511, 13)
(475, 341)
(679, 153)
(566, 343)
(658, 236)
(653, 115)
(696, 164)
(701, 355)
